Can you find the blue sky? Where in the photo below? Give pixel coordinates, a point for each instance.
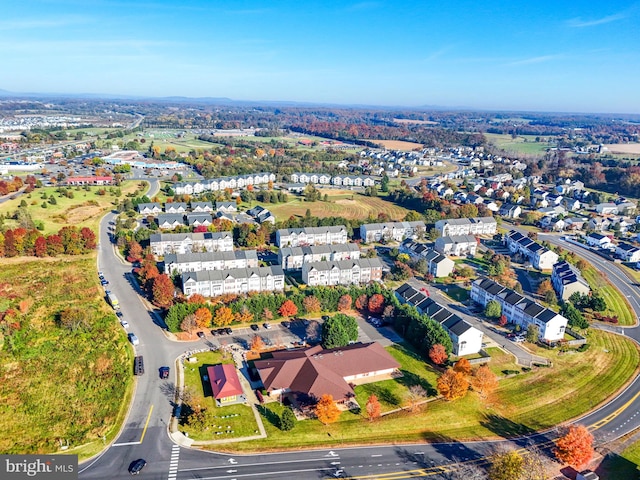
(581, 56)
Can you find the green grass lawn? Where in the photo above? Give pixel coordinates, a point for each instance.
(456, 292)
(530, 401)
(617, 304)
(85, 209)
(60, 382)
(242, 425)
(518, 144)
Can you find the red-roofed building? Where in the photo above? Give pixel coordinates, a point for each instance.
(89, 180)
(225, 385)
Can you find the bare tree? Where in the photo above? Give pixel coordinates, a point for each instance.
(313, 330)
(416, 394)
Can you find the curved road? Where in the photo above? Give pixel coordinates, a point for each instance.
(145, 432)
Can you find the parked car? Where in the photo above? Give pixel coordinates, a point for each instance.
(214, 332)
(164, 372)
(222, 331)
(133, 339)
(518, 339)
(255, 327)
(286, 324)
(124, 323)
(104, 282)
(200, 334)
(228, 331)
(136, 466)
(266, 325)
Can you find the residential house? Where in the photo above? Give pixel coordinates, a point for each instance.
(491, 205)
(175, 207)
(169, 221)
(457, 245)
(162, 243)
(295, 237)
(574, 223)
(628, 252)
(197, 261)
(149, 208)
(599, 224)
(398, 231)
(520, 310)
(225, 384)
(466, 339)
(467, 226)
(307, 374)
(627, 208)
(211, 283)
(342, 272)
(199, 219)
(607, 209)
(293, 258)
(439, 265)
(566, 280)
(226, 207)
(571, 204)
(598, 240)
(508, 210)
(261, 214)
(539, 257)
(201, 207)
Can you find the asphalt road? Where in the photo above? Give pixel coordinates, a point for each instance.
(145, 433)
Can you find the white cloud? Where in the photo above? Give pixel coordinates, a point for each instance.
(38, 23)
(580, 23)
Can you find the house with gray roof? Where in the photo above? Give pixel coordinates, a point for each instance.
(398, 231)
(293, 258)
(197, 261)
(212, 283)
(457, 245)
(198, 219)
(201, 207)
(175, 207)
(163, 243)
(539, 256)
(149, 208)
(295, 237)
(438, 265)
(567, 280)
(467, 226)
(169, 221)
(342, 272)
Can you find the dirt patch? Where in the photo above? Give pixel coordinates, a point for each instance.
(624, 148)
(81, 213)
(399, 145)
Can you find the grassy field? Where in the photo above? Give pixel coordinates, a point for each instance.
(244, 424)
(518, 144)
(399, 145)
(530, 401)
(83, 210)
(342, 203)
(617, 304)
(59, 383)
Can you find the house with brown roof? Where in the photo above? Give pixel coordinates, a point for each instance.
(309, 373)
(225, 385)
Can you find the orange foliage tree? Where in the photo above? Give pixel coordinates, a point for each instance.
(203, 317)
(484, 381)
(162, 290)
(344, 303)
(452, 385)
(257, 343)
(376, 303)
(224, 316)
(463, 366)
(311, 304)
(244, 316)
(361, 302)
(575, 447)
(438, 354)
(288, 308)
(197, 298)
(326, 409)
(373, 407)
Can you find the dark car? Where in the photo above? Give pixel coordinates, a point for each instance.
(200, 334)
(228, 331)
(136, 466)
(164, 372)
(286, 324)
(255, 327)
(214, 332)
(222, 331)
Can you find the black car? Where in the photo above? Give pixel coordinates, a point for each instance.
(200, 334)
(214, 332)
(222, 331)
(228, 331)
(286, 324)
(136, 466)
(255, 327)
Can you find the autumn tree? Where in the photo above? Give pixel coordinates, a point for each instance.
(344, 303)
(134, 252)
(373, 407)
(223, 316)
(40, 247)
(311, 304)
(188, 323)
(244, 316)
(575, 447)
(438, 354)
(361, 302)
(203, 317)
(503, 320)
(162, 291)
(544, 287)
(463, 366)
(452, 385)
(484, 381)
(376, 303)
(506, 465)
(288, 309)
(257, 343)
(416, 394)
(196, 298)
(326, 410)
(267, 314)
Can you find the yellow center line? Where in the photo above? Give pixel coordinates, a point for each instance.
(146, 424)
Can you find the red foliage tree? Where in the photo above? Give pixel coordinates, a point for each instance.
(197, 298)
(162, 291)
(54, 245)
(288, 309)
(40, 248)
(88, 239)
(438, 354)
(376, 303)
(502, 321)
(361, 302)
(576, 447)
(200, 229)
(10, 244)
(373, 407)
(344, 303)
(134, 252)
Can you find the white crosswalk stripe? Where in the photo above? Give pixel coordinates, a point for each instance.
(173, 464)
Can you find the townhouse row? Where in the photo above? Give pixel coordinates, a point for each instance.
(217, 184)
(539, 256)
(211, 283)
(337, 180)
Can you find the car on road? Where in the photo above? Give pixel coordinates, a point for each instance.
(266, 325)
(255, 327)
(100, 275)
(518, 339)
(136, 466)
(164, 372)
(200, 334)
(104, 282)
(124, 323)
(133, 339)
(228, 331)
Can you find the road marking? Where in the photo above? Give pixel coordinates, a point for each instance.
(144, 431)
(173, 465)
(255, 464)
(125, 444)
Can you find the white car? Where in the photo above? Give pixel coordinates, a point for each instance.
(124, 323)
(518, 339)
(133, 339)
